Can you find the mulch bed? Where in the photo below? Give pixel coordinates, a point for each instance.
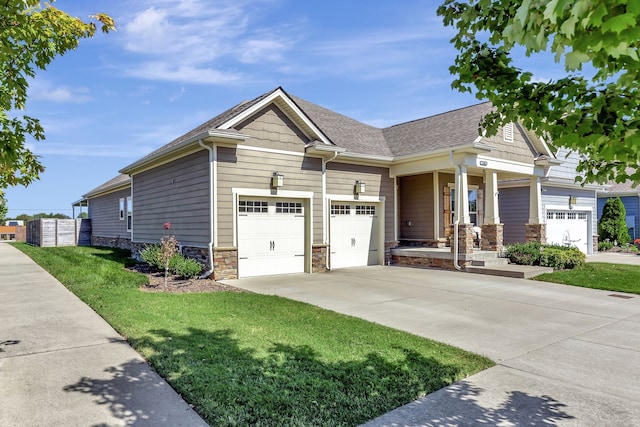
(176, 285)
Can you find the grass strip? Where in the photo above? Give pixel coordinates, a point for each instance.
(248, 359)
(599, 275)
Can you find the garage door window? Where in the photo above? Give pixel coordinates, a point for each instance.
(582, 215)
(251, 206)
(365, 210)
(289, 207)
(340, 209)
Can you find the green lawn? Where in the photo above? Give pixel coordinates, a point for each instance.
(599, 275)
(248, 359)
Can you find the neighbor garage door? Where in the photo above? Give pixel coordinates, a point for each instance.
(270, 237)
(354, 234)
(568, 228)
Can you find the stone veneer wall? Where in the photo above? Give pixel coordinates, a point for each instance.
(111, 242)
(492, 237)
(423, 262)
(465, 238)
(536, 233)
(319, 258)
(388, 258)
(225, 263)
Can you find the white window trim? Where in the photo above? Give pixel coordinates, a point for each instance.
(129, 200)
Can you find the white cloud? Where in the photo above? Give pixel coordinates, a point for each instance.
(91, 150)
(164, 71)
(44, 90)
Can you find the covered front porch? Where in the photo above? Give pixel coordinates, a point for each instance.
(448, 214)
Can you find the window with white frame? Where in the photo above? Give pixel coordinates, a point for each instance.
(507, 132)
(340, 209)
(129, 213)
(122, 209)
(365, 210)
(473, 205)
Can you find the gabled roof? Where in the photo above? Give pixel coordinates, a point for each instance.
(119, 182)
(627, 187)
(445, 130)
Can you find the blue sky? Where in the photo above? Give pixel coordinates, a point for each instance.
(173, 64)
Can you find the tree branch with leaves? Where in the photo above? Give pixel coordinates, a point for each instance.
(31, 36)
(595, 115)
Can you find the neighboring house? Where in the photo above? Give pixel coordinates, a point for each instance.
(281, 185)
(630, 197)
(569, 209)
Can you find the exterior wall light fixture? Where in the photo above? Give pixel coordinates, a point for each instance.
(277, 180)
(360, 187)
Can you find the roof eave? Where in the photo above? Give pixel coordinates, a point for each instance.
(212, 135)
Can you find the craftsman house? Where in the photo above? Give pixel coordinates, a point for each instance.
(281, 185)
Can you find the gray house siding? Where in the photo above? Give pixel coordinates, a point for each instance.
(244, 168)
(514, 213)
(271, 128)
(519, 150)
(341, 178)
(566, 170)
(178, 193)
(416, 206)
(104, 212)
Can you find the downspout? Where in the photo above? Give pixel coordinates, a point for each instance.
(211, 221)
(456, 264)
(325, 210)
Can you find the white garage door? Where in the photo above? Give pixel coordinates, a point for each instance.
(568, 228)
(354, 235)
(270, 237)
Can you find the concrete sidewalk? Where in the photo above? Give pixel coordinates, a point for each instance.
(62, 365)
(565, 355)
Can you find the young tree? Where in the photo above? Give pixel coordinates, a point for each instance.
(3, 209)
(595, 115)
(31, 36)
(613, 223)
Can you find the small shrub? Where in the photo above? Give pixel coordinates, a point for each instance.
(185, 268)
(523, 253)
(151, 254)
(612, 224)
(604, 246)
(561, 258)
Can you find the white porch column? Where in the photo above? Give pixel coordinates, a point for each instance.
(436, 205)
(491, 209)
(462, 195)
(535, 201)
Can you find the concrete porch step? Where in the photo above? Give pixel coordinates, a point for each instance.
(489, 262)
(510, 270)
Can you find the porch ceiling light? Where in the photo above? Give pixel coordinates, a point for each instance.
(360, 187)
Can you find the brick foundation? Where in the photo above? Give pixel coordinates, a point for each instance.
(225, 263)
(536, 233)
(492, 237)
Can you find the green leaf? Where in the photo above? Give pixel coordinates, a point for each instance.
(575, 59)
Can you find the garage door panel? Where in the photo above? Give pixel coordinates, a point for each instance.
(270, 237)
(568, 228)
(353, 235)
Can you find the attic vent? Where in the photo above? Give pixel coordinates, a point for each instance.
(507, 132)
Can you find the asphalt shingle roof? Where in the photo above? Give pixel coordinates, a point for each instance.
(119, 180)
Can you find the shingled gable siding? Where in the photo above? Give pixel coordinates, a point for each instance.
(416, 206)
(177, 192)
(519, 150)
(247, 168)
(341, 179)
(104, 212)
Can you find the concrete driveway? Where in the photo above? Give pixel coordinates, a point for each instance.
(565, 355)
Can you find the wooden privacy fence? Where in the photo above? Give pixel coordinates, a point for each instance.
(47, 232)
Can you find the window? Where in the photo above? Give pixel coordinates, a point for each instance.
(571, 215)
(560, 215)
(340, 210)
(129, 213)
(252, 206)
(507, 132)
(582, 215)
(289, 207)
(122, 209)
(365, 210)
(549, 215)
(473, 206)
